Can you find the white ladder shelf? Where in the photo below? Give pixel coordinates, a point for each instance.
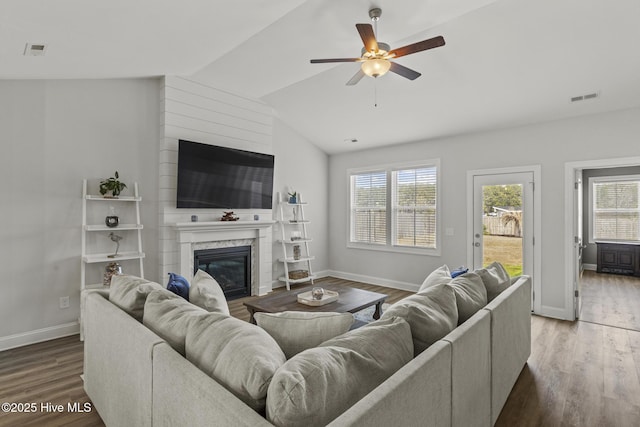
(89, 257)
(294, 238)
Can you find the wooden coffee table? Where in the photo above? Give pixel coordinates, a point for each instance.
(351, 300)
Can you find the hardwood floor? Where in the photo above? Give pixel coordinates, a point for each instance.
(583, 373)
(611, 299)
(44, 373)
(579, 374)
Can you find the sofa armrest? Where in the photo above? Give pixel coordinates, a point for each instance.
(471, 371)
(510, 340)
(184, 396)
(418, 394)
(83, 302)
(117, 363)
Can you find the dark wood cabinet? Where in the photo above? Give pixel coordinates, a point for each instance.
(618, 258)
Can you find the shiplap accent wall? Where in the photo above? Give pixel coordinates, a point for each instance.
(196, 112)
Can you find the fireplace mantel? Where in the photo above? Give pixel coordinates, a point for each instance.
(200, 227)
(190, 233)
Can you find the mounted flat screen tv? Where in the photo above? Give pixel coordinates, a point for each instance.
(223, 178)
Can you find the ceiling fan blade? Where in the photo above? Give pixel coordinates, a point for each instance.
(404, 71)
(356, 78)
(418, 47)
(322, 61)
(368, 37)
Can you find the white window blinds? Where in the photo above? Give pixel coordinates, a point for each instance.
(414, 207)
(616, 210)
(394, 208)
(369, 207)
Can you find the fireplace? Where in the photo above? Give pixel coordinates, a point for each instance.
(230, 266)
(204, 235)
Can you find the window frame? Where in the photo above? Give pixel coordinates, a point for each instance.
(600, 179)
(389, 169)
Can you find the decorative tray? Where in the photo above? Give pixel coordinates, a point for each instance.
(307, 299)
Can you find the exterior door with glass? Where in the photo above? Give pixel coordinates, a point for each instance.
(503, 221)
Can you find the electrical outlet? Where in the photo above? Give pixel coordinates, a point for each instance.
(64, 302)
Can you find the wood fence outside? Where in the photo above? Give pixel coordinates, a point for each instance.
(494, 226)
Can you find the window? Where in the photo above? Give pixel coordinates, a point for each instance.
(395, 208)
(615, 208)
(369, 208)
(414, 207)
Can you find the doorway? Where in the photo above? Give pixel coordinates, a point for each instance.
(574, 241)
(502, 221)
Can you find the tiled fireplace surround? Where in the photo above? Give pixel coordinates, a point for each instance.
(192, 236)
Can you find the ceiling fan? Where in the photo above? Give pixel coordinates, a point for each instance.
(376, 56)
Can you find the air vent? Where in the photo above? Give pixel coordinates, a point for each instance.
(585, 97)
(35, 49)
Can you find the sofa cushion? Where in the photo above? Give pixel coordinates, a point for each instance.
(169, 315)
(431, 314)
(130, 293)
(205, 292)
(471, 295)
(495, 279)
(295, 331)
(437, 277)
(240, 356)
(178, 285)
(317, 385)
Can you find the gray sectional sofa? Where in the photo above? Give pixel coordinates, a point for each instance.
(135, 378)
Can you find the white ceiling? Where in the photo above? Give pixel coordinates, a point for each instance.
(505, 62)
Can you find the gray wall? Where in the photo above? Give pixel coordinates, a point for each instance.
(551, 145)
(303, 166)
(54, 134)
(589, 253)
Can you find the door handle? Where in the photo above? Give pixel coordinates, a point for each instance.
(476, 244)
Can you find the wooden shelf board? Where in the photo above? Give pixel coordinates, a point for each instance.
(93, 258)
(109, 199)
(304, 279)
(119, 227)
(295, 242)
(301, 259)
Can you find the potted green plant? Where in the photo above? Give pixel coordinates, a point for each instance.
(112, 185)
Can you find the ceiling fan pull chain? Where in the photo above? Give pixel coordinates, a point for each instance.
(375, 92)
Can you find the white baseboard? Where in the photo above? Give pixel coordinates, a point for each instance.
(394, 284)
(591, 267)
(39, 335)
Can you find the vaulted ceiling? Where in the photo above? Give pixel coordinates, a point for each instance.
(505, 62)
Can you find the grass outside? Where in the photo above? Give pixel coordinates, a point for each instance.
(505, 250)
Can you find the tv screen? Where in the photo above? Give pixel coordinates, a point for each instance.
(217, 177)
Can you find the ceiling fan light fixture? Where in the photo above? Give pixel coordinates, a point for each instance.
(375, 67)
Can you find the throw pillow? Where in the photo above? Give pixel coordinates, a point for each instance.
(437, 277)
(431, 314)
(471, 295)
(240, 356)
(130, 293)
(315, 386)
(205, 292)
(459, 271)
(169, 316)
(295, 331)
(495, 279)
(178, 285)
